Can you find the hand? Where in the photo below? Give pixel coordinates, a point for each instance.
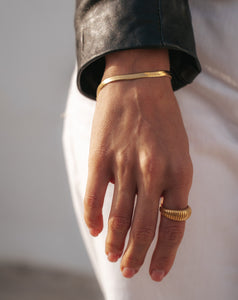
(139, 143)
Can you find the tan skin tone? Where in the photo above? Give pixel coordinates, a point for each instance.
(139, 143)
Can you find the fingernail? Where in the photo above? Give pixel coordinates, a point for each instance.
(128, 272)
(93, 232)
(157, 275)
(113, 257)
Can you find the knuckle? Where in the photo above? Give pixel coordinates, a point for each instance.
(133, 261)
(147, 163)
(172, 234)
(92, 222)
(98, 156)
(92, 219)
(165, 260)
(101, 151)
(113, 246)
(119, 224)
(123, 164)
(182, 173)
(121, 158)
(144, 235)
(151, 163)
(91, 202)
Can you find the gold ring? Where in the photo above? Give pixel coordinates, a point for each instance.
(176, 214)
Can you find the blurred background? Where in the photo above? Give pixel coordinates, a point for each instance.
(39, 236)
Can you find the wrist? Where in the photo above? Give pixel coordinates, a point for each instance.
(135, 61)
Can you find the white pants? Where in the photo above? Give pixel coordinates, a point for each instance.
(206, 265)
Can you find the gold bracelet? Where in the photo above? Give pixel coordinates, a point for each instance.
(133, 76)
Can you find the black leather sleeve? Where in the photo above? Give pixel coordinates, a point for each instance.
(103, 26)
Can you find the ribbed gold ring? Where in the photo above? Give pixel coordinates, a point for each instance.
(176, 214)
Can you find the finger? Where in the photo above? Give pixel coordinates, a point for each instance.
(142, 232)
(120, 216)
(170, 236)
(94, 197)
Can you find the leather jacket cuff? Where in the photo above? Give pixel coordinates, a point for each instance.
(105, 26)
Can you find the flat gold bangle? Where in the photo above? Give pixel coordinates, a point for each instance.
(176, 214)
(133, 76)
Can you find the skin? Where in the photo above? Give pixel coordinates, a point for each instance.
(139, 143)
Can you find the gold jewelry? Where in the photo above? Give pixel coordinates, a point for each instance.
(176, 214)
(133, 76)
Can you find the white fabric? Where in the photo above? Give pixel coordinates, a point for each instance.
(206, 266)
